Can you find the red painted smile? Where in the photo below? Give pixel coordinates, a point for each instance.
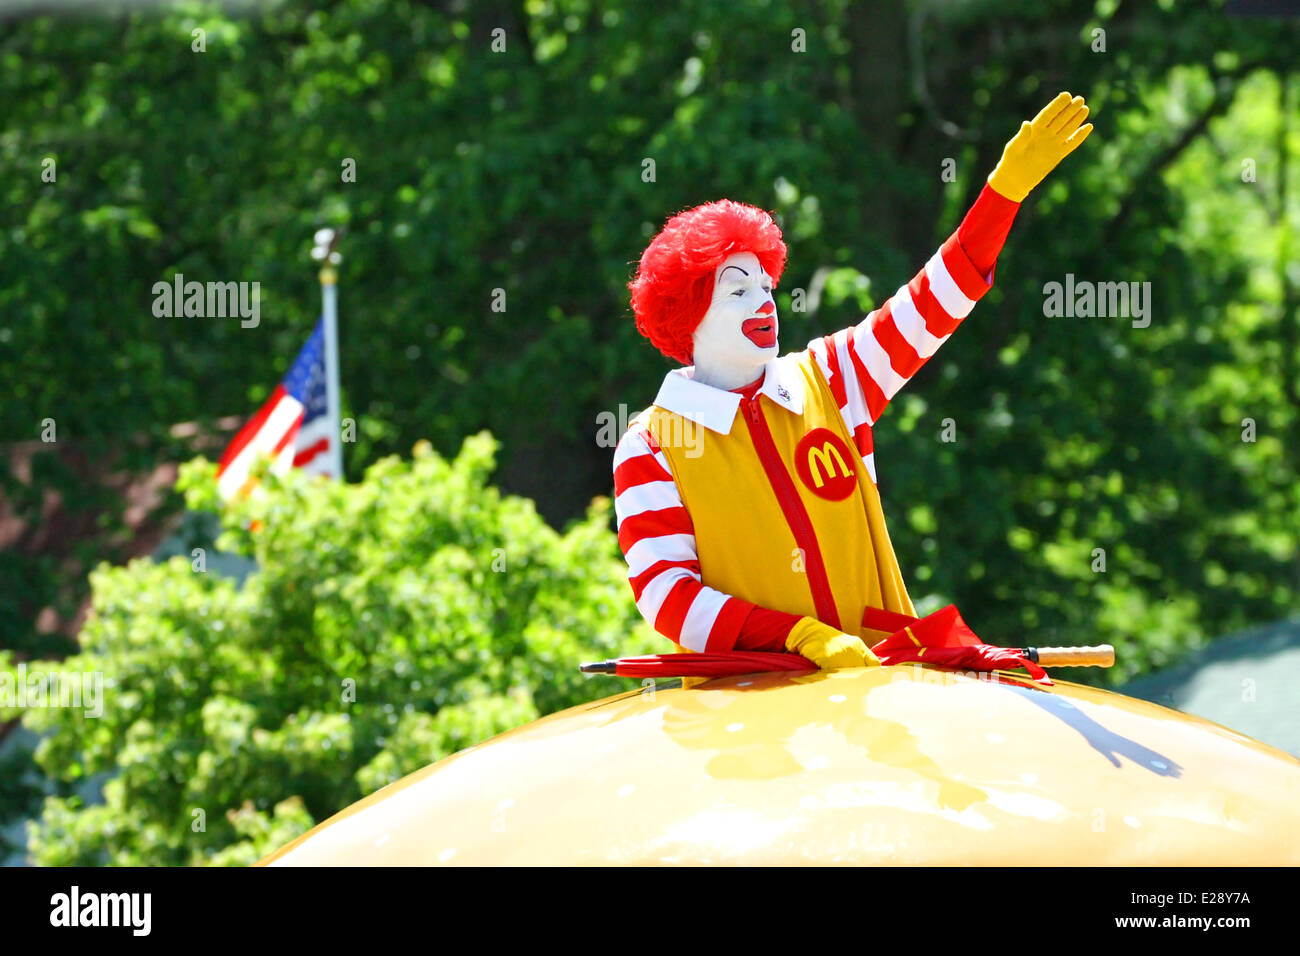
(761, 331)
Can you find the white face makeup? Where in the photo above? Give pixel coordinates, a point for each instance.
(737, 336)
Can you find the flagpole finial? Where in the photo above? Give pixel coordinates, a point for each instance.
(324, 252)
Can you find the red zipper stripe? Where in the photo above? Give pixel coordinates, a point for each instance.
(878, 619)
(796, 515)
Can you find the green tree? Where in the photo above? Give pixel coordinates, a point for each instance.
(389, 623)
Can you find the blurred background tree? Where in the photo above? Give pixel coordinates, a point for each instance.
(523, 168)
(390, 622)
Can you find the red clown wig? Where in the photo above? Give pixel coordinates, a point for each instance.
(674, 282)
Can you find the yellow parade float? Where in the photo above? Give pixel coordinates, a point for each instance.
(901, 765)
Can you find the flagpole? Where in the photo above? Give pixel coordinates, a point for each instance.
(324, 251)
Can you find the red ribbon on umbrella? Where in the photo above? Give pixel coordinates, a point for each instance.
(941, 638)
(944, 639)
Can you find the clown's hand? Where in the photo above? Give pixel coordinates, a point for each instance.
(827, 647)
(1033, 152)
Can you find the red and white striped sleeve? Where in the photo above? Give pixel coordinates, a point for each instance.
(657, 538)
(867, 364)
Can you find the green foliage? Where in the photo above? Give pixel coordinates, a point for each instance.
(20, 792)
(389, 623)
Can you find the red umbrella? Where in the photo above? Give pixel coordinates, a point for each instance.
(941, 638)
(723, 664)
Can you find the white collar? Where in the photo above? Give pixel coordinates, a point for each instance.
(715, 408)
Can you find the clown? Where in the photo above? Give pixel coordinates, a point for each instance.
(746, 494)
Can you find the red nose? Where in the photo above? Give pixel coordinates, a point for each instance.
(767, 308)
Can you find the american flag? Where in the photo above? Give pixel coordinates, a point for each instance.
(294, 427)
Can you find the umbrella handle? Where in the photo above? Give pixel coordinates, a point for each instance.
(1103, 655)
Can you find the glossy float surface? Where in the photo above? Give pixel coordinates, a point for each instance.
(889, 765)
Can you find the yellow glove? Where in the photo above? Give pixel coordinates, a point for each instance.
(1034, 151)
(827, 647)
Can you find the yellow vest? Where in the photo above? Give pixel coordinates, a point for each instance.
(785, 514)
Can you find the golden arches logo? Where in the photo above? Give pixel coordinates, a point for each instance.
(825, 466)
(822, 456)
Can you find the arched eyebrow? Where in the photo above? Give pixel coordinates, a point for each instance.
(720, 274)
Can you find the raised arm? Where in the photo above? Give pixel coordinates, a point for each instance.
(867, 364)
(657, 538)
